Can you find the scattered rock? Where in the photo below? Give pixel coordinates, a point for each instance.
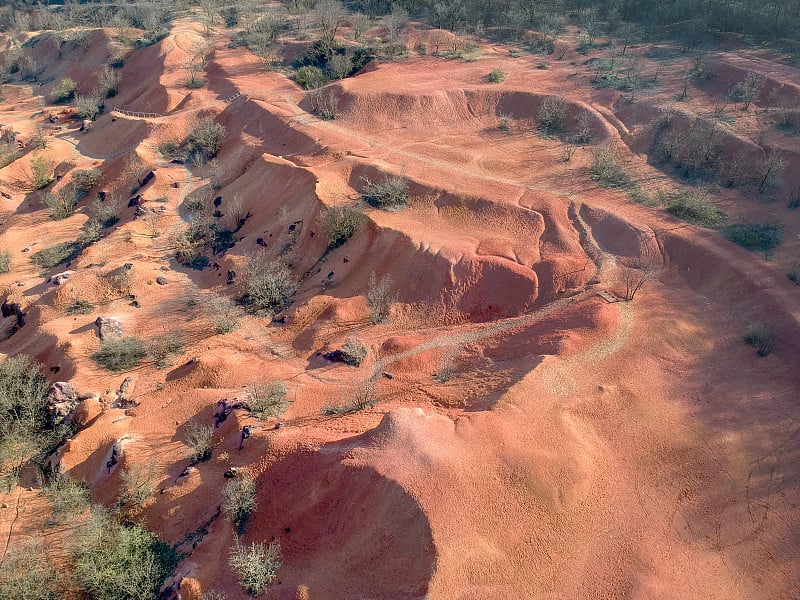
(217, 201)
(27, 248)
(108, 328)
(176, 184)
(161, 280)
(61, 278)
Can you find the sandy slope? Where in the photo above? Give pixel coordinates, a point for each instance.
(580, 450)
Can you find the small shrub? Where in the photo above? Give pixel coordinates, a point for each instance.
(64, 91)
(497, 76)
(26, 573)
(390, 194)
(61, 204)
(55, 255)
(694, 208)
(379, 298)
(117, 562)
(87, 107)
(324, 103)
(269, 285)
(340, 224)
(5, 261)
(207, 135)
(762, 337)
(257, 565)
(240, 500)
(86, 179)
(8, 157)
(552, 113)
(40, 174)
(267, 400)
(120, 354)
(756, 237)
(107, 82)
(106, 213)
(80, 307)
(794, 273)
(310, 77)
(354, 352)
(91, 232)
(199, 438)
(69, 498)
(606, 168)
(138, 484)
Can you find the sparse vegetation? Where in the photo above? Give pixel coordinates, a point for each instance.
(138, 484)
(240, 500)
(88, 107)
(762, 337)
(200, 439)
(267, 400)
(27, 574)
(163, 348)
(363, 398)
(794, 273)
(117, 562)
(380, 296)
(120, 354)
(390, 194)
(340, 224)
(69, 497)
(257, 565)
(269, 285)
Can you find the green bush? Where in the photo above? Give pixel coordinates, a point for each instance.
(55, 255)
(26, 573)
(40, 174)
(353, 352)
(267, 400)
(756, 237)
(138, 484)
(64, 91)
(310, 77)
(5, 261)
(390, 194)
(88, 107)
(694, 208)
(240, 500)
(80, 307)
(762, 337)
(269, 285)
(120, 354)
(340, 224)
(200, 439)
(794, 273)
(86, 179)
(497, 76)
(61, 204)
(257, 565)
(116, 562)
(206, 135)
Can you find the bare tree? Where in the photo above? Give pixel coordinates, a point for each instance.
(771, 174)
(633, 279)
(329, 15)
(395, 21)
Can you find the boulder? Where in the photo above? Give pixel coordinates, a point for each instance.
(62, 398)
(86, 411)
(61, 278)
(161, 280)
(108, 328)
